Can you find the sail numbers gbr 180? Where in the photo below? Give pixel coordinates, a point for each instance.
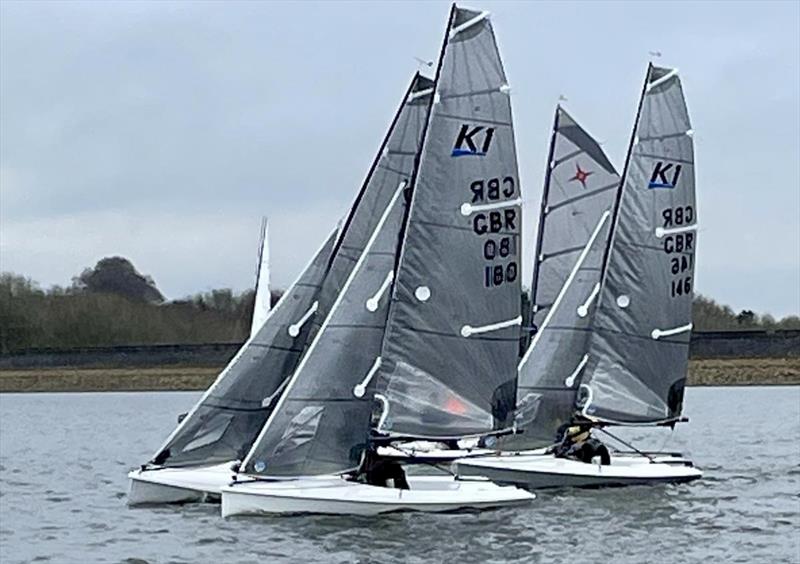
(494, 220)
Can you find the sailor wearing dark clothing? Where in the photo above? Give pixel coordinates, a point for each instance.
(377, 471)
(577, 443)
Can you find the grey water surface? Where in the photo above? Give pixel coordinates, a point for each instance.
(64, 459)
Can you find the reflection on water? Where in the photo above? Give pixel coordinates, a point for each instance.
(63, 460)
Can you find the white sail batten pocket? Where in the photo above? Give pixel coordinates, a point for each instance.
(570, 380)
(658, 333)
(467, 208)
(361, 388)
(583, 309)
(468, 330)
(660, 231)
(294, 328)
(373, 302)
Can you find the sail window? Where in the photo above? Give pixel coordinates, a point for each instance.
(422, 293)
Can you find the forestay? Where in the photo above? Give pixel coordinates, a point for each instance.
(449, 354)
(638, 351)
(321, 424)
(226, 420)
(578, 197)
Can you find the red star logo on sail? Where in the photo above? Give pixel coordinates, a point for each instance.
(581, 175)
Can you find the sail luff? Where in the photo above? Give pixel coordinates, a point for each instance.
(413, 182)
(384, 143)
(542, 218)
(623, 177)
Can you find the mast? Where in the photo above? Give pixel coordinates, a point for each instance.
(542, 219)
(620, 192)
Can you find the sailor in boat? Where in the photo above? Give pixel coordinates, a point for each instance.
(577, 443)
(383, 472)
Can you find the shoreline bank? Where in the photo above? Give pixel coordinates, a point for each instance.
(702, 372)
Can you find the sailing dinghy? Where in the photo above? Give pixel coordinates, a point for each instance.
(420, 342)
(624, 360)
(202, 453)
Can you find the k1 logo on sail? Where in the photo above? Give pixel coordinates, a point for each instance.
(473, 140)
(661, 175)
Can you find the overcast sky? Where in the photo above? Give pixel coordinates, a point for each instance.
(163, 131)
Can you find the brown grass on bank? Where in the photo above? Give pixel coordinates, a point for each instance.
(709, 372)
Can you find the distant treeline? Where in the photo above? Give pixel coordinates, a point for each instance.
(112, 304)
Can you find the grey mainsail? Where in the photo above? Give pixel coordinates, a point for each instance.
(638, 351)
(224, 423)
(450, 349)
(579, 193)
(321, 423)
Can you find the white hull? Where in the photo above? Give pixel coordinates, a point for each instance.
(178, 485)
(540, 471)
(335, 495)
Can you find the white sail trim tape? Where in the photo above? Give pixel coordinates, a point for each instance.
(660, 231)
(583, 309)
(662, 80)
(420, 94)
(467, 24)
(294, 328)
(361, 388)
(467, 208)
(468, 330)
(384, 412)
(570, 380)
(658, 333)
(567, 283)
